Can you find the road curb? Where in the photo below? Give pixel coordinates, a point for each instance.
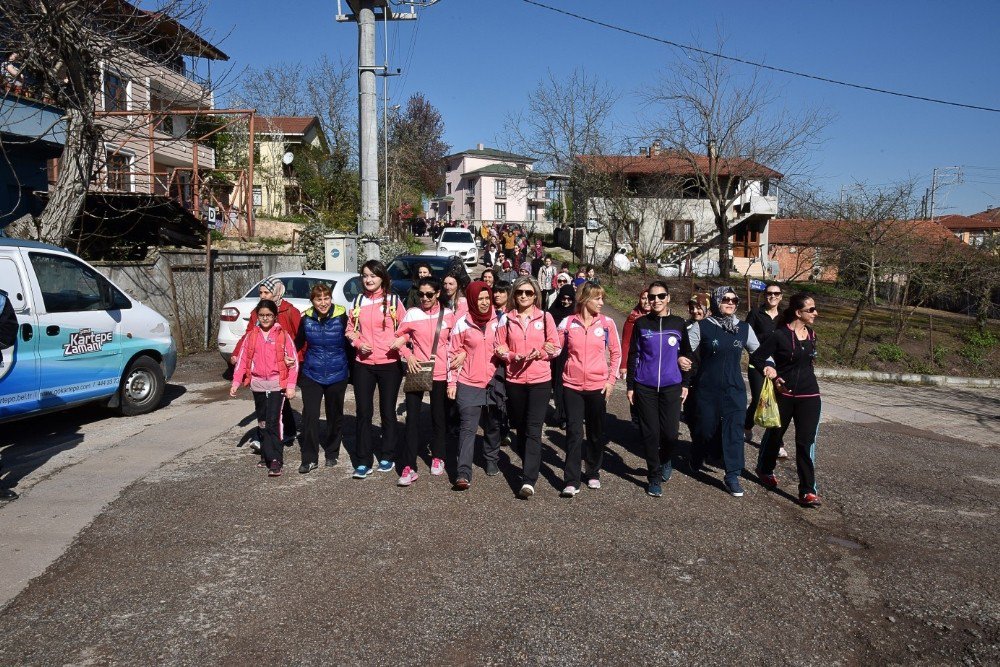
(906, 378)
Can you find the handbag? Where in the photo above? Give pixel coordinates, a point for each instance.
(423, 379)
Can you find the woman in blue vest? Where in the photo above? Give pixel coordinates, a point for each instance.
(323, 375)
(717, 343)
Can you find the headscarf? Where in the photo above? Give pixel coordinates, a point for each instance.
(730, 323)
(538, 248)
(276, 287)
(564, 276)
(506, 265)
(560, 312)
(703, 300)
(578, 281)
(526, 266)
(472, 292)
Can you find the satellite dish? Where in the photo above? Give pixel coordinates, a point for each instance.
(288, 157)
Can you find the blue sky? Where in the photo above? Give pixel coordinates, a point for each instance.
(477, 60)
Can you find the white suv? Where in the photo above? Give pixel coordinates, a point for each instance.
(459, 242)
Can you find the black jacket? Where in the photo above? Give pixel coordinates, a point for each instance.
(792, 359)
(761, 323)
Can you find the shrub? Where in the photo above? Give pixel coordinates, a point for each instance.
(973, 353)
(981, 339)
(888, 352)
(939, 353)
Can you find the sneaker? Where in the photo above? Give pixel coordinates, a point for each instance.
(666, 470)
(362, 472)
(768, 480)
(748, 434)
(307, 467)
(254, 446)
(8, 494)
(492, 469)
(507, 441)
(288, 442)
(569, 492)
(331, 463)
(385, 465)
(810, 500)
(594, 483)
(262, 464)
(734, 488)
(461, 484)
(275, 469)
(782, 453)
(437, 467)
(408, 477)
(527, 490)
(654, 490)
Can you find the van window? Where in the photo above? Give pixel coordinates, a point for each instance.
(10, 282)
(68, 286)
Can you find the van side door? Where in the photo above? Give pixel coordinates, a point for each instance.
(19, 367)
(79, 330)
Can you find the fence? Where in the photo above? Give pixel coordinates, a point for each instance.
(176, 284)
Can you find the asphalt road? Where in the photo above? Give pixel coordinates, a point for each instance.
(203, 559)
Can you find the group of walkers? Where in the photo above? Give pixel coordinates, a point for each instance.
(495, 358)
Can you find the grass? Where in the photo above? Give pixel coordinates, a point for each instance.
(935, 342)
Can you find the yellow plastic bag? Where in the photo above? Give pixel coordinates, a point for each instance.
(766, 414)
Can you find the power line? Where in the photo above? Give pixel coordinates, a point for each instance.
(760, 65)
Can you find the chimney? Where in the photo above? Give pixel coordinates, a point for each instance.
(643, 151)
(655, 148)
(712, 150)
(479, 147)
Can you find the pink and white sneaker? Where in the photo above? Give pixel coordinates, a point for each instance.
(408, 477)
(437, 466)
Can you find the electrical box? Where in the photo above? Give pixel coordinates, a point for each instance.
(341, 252)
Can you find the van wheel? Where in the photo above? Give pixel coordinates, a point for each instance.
(142, 387)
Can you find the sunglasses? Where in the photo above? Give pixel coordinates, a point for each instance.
(427, 295)
(657, 296)
(773, 293)
(525, 292)
(730, 299)
(809, 310)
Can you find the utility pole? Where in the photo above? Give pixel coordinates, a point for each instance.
(364, 14)
(933, 189)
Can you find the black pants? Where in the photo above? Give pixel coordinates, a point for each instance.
(805, 413)
(268, 406)
(756, 380)
(313, 394)
(387, 377)
(558, 392)
(526, 405)
(659, 412)
(590, 408)
(407, 456)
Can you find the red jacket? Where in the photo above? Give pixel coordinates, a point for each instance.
(627, 334)
(520, 337)
(587, 350)
(419, 326)
(478, 345)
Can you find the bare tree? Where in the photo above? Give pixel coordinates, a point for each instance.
(566, 117)
(731, 131)
(70, 51)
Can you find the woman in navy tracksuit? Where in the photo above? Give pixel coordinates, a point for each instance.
(717, 344)
(325, 368)
(656, 386)
(787, 358)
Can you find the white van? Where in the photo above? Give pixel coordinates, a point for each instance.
(80, 338)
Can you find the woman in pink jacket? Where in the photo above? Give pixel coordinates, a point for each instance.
(472, 363)
(592, 351)
(415, 343)
(371, 328)
(262, 365)
(527, 341)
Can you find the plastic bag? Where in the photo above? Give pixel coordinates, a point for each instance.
(766, 414)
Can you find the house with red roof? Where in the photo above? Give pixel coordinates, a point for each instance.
(975, 229)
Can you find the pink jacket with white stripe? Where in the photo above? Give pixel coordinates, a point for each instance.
(265, 375)
(587, 350)
(478, 345)
(378, 328)
(520, 337)
(419, 326)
